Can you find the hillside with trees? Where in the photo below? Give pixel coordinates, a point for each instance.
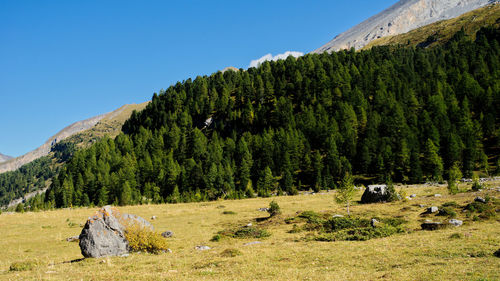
(405, 114)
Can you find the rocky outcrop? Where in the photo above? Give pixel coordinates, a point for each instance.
(104, 233)
(375, 193)
(400, 18)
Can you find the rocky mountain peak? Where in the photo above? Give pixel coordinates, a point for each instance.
(401, 17)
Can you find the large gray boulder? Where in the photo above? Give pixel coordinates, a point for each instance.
(104, 233)
(375, 193)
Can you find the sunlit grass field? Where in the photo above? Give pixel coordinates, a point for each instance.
(39, 239)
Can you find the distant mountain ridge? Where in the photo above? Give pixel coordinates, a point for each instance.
(400, 18)
(4, 157)
(103, 124)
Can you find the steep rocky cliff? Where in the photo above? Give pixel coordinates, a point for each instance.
(402, 17)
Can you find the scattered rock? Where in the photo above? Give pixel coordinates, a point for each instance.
(167, 234)
(432, 226)
(432, 209)
(202, 248)
(480, 199)
(422, 206)
(337, 216)
(437, 195)
(252, 243)
(73, 238)
(153, 218)
(413, 195)
(167, 251)
(374, 223)
(103, 234)
(455, 222)
(248, 225)
(375, 193)
(262, 209)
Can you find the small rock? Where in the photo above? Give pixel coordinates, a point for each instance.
(73, 238)
(432, 226)
(437, 195)
(202, 248)
(480, 199)
(252, 243)
(262, 209)
(167, 234)
(432, 209)
(374, 223)
(422, 206)
(337, 216)
(413, 195)
(167, 251)
(153, 218)
(248, 225)
(408, 198)
(455, 222)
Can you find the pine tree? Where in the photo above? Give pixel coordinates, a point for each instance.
(345, 192)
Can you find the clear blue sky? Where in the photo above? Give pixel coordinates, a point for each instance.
(64, 61)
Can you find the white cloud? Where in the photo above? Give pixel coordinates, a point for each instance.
(270, 57)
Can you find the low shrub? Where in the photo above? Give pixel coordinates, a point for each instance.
(340, 223)
(230, 253)
(448, 212)
(452, 204)
(216, 238)
(456, 236)
(355, 229)
(229, 213)
(23, 265)
(274, 209)
(143, 239)
(359, 233)
(250, 232)
(241, 233)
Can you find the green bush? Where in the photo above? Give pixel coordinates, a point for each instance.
(216, 238)
(230, 253)
(23, 265)
(456, 236)
(143, 239)
(250, 232)
(447, 211)
(274, 209)
(451, 204)
(241, 233)
(359, 234)
(340, 223)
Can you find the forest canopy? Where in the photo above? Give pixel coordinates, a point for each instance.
(405, 114)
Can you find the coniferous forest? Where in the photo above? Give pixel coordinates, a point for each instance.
(390, 113)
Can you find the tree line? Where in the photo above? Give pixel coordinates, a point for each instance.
(405, 114)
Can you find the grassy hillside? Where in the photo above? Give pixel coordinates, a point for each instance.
(110, 125)
(39, 238)
(37, 174)
(442, 31)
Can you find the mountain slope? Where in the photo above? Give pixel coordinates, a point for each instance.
(402, 17)
(405, 114)
(104, 124)
(440, 32)
(4, 157)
